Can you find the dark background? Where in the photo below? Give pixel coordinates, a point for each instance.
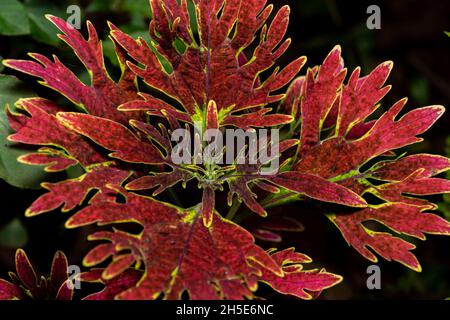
(412, 35)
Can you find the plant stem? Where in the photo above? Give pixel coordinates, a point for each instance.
(270, 201)
(234, 208)
(278, 199)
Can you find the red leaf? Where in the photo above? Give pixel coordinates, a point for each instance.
(320, 94)
(26, 285)
(119, 264)
(58, 274)
(335, 156)
(112, 136)
(216, 70)
(104, 96)
(178, 240)
(212, 117)
(162, 181)
(296, 281)
(402, 218)
(154, 107)
(404, 167)
(72, 192)
(42, 128)
(113, 287)
(318, 188)
(360, 97)
(99, 254)
(291, 103)
(256, 119)
(65, 292)
(25, 270)
(355, 141)
(239, 186)
(9, 291)
(224, 77)
(208, 204)
(54, 160)
(415, 184)
(266, 235)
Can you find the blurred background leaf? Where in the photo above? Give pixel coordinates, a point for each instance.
(13, 235)
(13, 18)
(40, 28)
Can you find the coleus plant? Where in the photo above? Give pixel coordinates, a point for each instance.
(26, 283)
(206, 64)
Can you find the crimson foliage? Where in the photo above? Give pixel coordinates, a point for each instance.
(331, 152)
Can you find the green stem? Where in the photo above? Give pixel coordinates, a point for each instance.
(271, 201)
(234, 208)
(279, 199)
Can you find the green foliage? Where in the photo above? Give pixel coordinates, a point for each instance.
(11, 12)
(135, 11)
(40, 29)
(13, 235)
(17, 19)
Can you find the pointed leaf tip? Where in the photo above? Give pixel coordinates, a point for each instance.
(208, 204)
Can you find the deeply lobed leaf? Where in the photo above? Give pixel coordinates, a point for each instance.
(118, 137)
